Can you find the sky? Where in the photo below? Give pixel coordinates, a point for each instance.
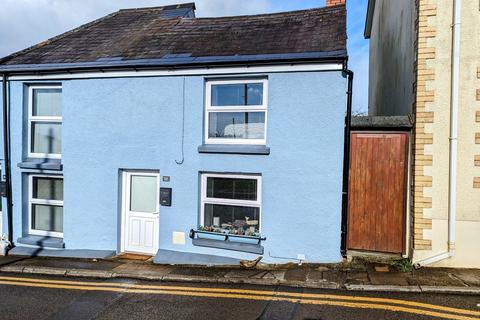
(26, 22)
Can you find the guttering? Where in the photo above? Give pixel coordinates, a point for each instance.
(346, 161)
(452, 190)
(178, 61)
(6, 150)
(204, 71)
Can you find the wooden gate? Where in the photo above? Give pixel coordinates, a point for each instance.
(377, 191)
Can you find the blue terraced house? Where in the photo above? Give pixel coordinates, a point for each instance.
(194, 140)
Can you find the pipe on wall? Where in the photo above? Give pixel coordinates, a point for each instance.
(6, 150)
(346, 161)
(452, 187)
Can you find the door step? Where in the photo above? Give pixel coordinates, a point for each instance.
(133, 256)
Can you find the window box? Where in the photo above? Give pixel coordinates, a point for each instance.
(225, 241)
(236, 111)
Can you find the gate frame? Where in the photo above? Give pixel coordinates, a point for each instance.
(382, 125)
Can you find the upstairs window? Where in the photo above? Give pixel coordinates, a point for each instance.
(45, 122)
(236, 112)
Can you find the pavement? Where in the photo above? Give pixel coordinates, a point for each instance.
(56, 297)
(355, 276)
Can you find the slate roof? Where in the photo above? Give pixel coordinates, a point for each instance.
(152, 33)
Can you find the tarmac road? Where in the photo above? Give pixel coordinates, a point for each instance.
(39, 297)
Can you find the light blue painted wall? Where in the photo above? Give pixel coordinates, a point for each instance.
(135, 123)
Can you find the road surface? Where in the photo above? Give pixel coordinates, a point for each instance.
(39, 297)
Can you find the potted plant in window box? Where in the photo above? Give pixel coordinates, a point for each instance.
(244, 236)
(210, 232)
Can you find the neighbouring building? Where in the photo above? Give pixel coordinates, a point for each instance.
(153, 131)
(425, 63)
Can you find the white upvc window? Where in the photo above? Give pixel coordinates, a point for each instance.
(236, 111)
(45, 201)
(45, 122)
(231, 203)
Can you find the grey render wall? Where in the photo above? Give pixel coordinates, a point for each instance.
(392, 56)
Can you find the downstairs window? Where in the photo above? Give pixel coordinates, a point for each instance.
(231, 203)
(46, 205)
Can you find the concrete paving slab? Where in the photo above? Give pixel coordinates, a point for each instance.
(89, 273)
(357, 277)
(454, 290)
(198, 272)
(261, 282)
(12, 268)
(60, 253)
(382, 288)
(241, 273)
(4, 260)
(469, 276)
(275, 275)
(436, 277)
(141, 271)
(69, 263)
(45, 271)
(338, 276)
(296, 275)
(390, 278)
(186, 278)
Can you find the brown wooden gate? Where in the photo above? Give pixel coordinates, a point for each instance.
(377, 191)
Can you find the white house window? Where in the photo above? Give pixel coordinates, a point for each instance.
(236, 111)
(46, 205)
(45, 122)
(231, 203)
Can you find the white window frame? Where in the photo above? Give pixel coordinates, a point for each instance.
(32, 201)
(39, 119)
(230, 202)
(255, 108)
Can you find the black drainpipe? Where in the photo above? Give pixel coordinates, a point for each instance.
(346, 160)
(6, 150)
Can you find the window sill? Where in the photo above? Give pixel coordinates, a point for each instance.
(42, 241)
(42, 164)
(234, 149)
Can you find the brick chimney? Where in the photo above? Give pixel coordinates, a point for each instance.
(335, 2)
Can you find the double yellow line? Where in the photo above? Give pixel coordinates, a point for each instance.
(394, 305)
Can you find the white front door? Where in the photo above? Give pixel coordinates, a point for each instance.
(141, 212)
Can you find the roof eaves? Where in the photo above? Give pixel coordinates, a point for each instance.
(181, 61)
(369, 19)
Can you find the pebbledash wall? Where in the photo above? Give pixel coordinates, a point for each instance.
(432, 134)
(136, 123)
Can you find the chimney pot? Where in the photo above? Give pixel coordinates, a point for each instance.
(335, 2)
